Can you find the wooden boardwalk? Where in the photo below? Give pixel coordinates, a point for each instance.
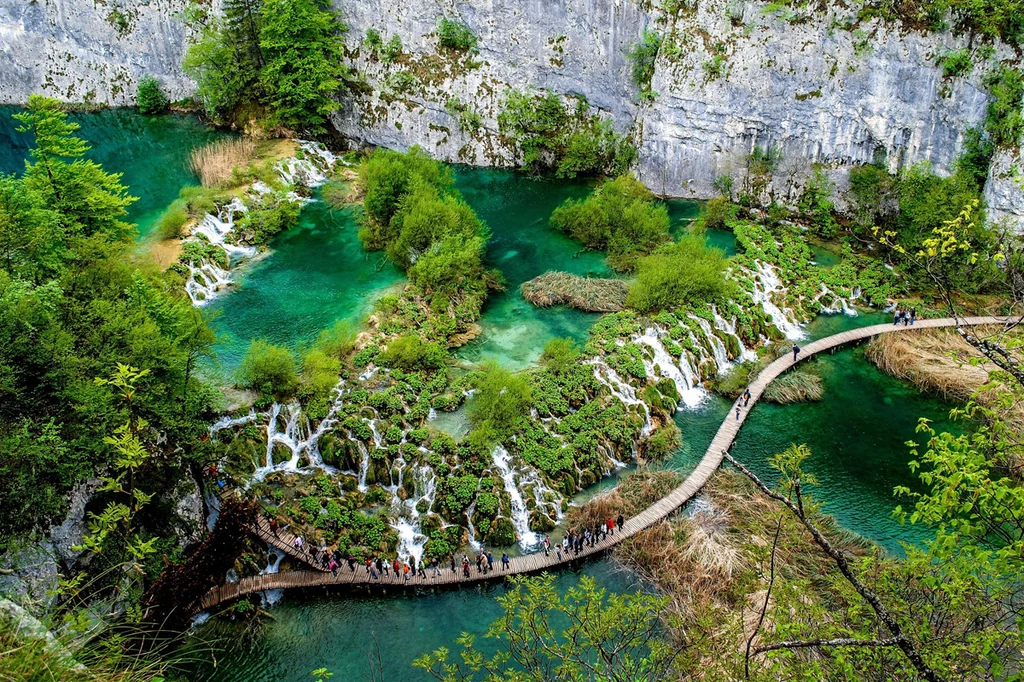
(538, 561)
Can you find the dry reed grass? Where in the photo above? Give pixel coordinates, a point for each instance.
(215, 162)
(634, 494)
(935, 360)
(794, 387)
(584, 293)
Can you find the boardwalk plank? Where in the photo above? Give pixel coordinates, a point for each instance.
(531, 563)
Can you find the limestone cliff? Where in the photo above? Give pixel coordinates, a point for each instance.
(821, 88)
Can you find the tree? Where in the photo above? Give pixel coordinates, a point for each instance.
(587, 634)
(620, 216)
(150, 96)
(304, 68)
(501, 402)
(685, 272)
(222, 85)
(643, 55)
(89, 200)
(269, 369)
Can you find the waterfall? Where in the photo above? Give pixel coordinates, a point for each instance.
(766, 283)
(378, 440)
(274, 556)
(621, 390)
(229, 422)
(411, 540)
(519, 513)
(309, 171)
(364, 465)
(470, 529)
(746, 354)
(683, 375)
(217, 228)
(717, 347)
(205, 282)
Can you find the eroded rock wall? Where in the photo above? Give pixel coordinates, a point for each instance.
(818, 87)
(85, 51)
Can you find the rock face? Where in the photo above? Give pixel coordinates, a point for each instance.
(95, 52)
(730, 76)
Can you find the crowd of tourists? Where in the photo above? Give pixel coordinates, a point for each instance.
(906, 316)
(574, 542)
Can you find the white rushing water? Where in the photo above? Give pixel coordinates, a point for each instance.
(205, 282)
(746, 354)
(411, 539)
(766, 283)
(683, 375)
(274, 557)
(520, 514)
(620, 389)
(718, 349)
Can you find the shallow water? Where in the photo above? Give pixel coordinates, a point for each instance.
(151, 151)
(316, 273)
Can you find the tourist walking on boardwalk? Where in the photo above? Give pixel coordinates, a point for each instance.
(504, 561)
(436, 565)
(405, 571)
(333, 566)
(560, 547)
(913, 315)
(273, 527)
(547, 546)
(397, 567)
(465, 567)
(897, 316)
(610, 525)
(412, 562)
(796, 351)
(298, 543)
(368, 564)
(737, 412)
(746, 397)
(351, 563)
(620, 521)
(490, 561)
(451, 557)
(381, 566)
(479, 562)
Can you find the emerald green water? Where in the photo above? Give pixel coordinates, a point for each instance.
(341, 631)
(151, 151)
(318, 273)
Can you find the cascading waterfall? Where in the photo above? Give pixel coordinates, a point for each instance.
(471, 529)
(274, 557)
(519, 513)
(838, 303)
(411, 539)
(746, 354)
(207, 280)
(721, 355)
(767, 282)
(682, 375)
(621, 390)
(364, 465)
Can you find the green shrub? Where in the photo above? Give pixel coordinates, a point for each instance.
(956, 63)
(548, 136)
(412, 353)
(173, 219)
(150, 96)
(455, 35)
(716, 212)
(643, 56)
(663, 442)
(976, 157)
(621, 216)
(501, 402)
(268, 369)
(1004, 122)
(320, 373)
(686, 272)
(560, 355)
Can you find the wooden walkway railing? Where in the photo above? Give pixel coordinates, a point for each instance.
(538, 561)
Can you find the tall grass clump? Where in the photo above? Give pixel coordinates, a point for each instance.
(593, 294)
(214, 162)
(173, 219)
(797, 386)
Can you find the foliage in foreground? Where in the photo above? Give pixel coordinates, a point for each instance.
(586, 633)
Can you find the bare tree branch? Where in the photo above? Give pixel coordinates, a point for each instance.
(767, 596)
(806, 643)
(901, 640)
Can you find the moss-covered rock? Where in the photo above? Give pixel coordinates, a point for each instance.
(501, 533)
